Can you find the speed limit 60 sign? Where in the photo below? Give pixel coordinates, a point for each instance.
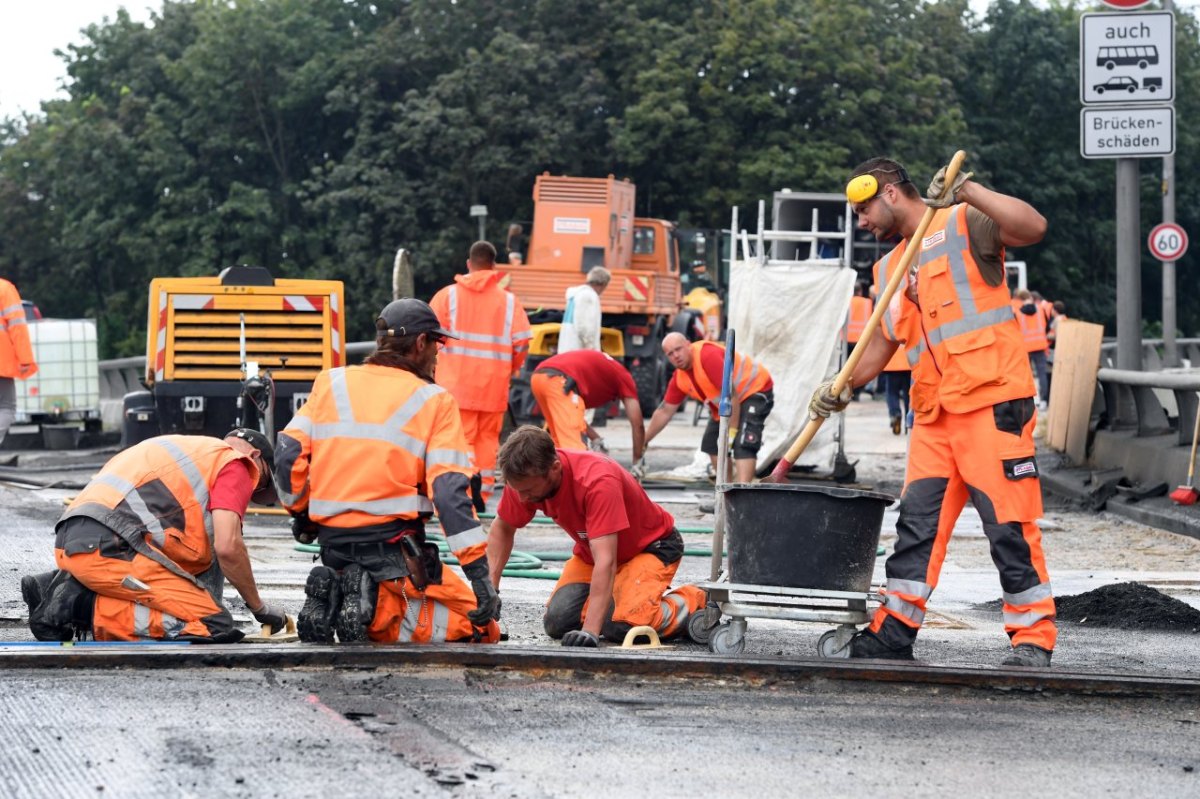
(1168, 242)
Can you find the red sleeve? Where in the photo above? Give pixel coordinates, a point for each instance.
(513, 510)
(604, 507)
(674, 395)
(232, 489)
(625, 385)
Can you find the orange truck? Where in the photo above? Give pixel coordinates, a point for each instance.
(580, 223)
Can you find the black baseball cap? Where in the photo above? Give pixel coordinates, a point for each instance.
(408, 317)
(267, 494)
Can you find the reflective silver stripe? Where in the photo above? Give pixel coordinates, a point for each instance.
(996, 316)
(17, 322)
(441, 622)
(14, 309)
(137, 505)
(478, 353)
(953, 246)
(141, 621)
(902, 608)
(392, 506)
(487, 474)
(673, 605)
(446, 457)
(914, 354)
(454, 309)
(910, 587)
(412, 616)
(528, 334)
(372, 432)
(482, 338)
(195, 480)
(1030, 595)
(301, 424)
(341, 394)
(1025, 619)
(508, 317)
(413, 405)
(469, 537)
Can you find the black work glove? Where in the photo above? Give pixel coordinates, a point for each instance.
(272, 615)
(580, 638)
(487, 602)
(304, 529)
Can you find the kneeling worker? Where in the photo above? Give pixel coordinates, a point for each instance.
(145, 548)
(627, 549)
(370, 455)
(698, 374)
(567, 384)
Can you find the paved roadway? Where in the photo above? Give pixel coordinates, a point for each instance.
(423, 730)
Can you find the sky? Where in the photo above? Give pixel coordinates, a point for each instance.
(31, 30)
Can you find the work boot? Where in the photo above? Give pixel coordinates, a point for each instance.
(35, 587)
(1028, 655)
(64, 610)
(895, 425)
(322, 592)
(352, 618)
(867, 644)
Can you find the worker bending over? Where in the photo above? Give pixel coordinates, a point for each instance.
(698, 373)
(362, 465)
(144, 550)
(492, 339)
(627, 549)
(972, 397)
(567, 384)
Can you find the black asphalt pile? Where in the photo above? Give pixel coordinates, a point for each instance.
(1128, 606)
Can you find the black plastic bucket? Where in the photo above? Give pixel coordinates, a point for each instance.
(802, 536)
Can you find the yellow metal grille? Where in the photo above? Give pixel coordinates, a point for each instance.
(206, 344)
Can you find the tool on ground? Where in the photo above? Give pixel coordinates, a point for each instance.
(287, 635)
(643, 631)
(1187, 494)
(724, 409)
(779, 474)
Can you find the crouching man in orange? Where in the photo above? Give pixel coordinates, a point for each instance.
(145, 548)
(627, 549)
(362, 465)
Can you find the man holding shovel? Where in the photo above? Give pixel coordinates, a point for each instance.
(972, 397)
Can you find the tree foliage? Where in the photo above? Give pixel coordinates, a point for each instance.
(314, 137)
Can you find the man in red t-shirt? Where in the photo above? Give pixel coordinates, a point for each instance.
(627, 549)
(567, 384)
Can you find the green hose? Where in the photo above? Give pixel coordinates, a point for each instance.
(520, 564)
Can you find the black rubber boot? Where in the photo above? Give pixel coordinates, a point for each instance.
(351, 619)
(65, 610)
(322, 598)
(866, 644)
(35, 587)
(1028, 655)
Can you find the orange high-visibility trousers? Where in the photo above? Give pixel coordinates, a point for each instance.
(482, 431)
(439, 614)
(987, 456)
(170, 607)
(565, 415)
(642, 595)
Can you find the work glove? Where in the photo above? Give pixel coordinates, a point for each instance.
(824, 403)
(597, 445)
(304, 529)
(933, 195)
(638, 470)
(487, 602)
(580, 638)
(269, 614)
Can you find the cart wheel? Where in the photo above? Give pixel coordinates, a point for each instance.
(829, 645)
(724, 640)
(697, 627)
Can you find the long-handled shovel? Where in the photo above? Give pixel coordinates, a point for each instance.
(779, 474)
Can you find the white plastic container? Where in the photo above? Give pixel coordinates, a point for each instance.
(67, 384)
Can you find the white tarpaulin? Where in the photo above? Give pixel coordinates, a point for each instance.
(790, 318)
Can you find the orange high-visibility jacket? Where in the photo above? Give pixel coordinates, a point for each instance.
(899, 360)
(749, 376)
(372, 453)
(1033, 331)
(15, 350)
(965, 346)
(856, 321)
(493, 333)
(156, 494)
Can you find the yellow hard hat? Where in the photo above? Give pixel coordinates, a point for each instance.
(862, 188)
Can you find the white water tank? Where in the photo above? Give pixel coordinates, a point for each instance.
(67, 383)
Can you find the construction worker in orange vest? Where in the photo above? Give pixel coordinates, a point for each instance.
(856, 319)
(145, 548)
(1033, 321)
(16, 354)
(627, 549)
(370, 456)
(972, 397)
(492, 341)
(699, 368)
(897, 373)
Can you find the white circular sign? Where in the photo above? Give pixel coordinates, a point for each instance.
(1168, 242)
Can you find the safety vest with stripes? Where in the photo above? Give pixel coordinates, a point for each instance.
(14, 343)
(899, 361)
(749, 376)
(964, 346)
(493, 341)
(856, 321)
(156, 493)
(373, 452)
(1033, 330)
